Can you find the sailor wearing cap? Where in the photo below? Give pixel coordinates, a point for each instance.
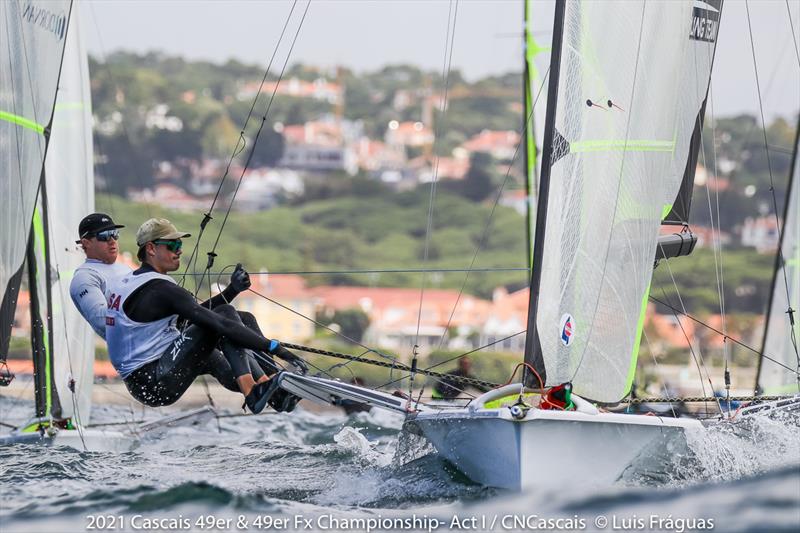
(157, 360)
(98, 238)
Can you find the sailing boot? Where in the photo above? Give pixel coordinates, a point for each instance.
(283, 401)
(261, 393)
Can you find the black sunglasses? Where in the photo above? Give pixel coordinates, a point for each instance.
(172, 245)
(105, 235)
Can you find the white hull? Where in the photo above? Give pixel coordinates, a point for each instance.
(93, 440)
(493, 448)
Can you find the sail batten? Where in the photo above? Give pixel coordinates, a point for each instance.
(633, 78)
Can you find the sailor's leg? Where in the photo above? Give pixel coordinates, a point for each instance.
(262, 359)
(281, 400)
(163, 381)
(183, 360)
(237, 356)
(144, 386)
(216, 365)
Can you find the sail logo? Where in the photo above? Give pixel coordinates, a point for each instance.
(567, 329)
(705, 20)
(49, 21)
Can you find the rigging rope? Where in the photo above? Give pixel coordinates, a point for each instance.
(700, 364)
(703, 399)
(395, 365)
(498, 341)
(707, 326)
(212, 253)
(488, 224)
(771, 181)
(373, 271)
(794, 37)
(320, 324)
(658, 371)
(192, 262)
(449, 42)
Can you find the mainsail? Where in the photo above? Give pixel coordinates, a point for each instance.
(50, 163)
(781, 337)
(630, 81)
(33, 34)
(68, 195)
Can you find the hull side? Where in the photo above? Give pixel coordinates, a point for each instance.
(493, 449)
(92, 440)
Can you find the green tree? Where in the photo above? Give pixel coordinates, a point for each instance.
(353, 323)
(477, 184)
(219, 136)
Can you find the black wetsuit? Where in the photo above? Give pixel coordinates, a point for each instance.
(212, 324)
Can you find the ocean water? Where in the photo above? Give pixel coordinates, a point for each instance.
(311, 471)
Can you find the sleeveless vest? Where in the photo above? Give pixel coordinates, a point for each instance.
(133, 344)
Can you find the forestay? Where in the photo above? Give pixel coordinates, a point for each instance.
(33, 34)
(633, 76)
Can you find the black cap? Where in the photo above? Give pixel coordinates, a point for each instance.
(95, 223)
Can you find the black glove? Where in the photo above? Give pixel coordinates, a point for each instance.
(275, 348)
(240, 279)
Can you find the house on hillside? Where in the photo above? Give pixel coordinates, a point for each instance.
(502, 145)
(761, 233)
(507, 317)
(291, 325)
(414, 134)
(320, 89)
(321, 146)
(444, 318)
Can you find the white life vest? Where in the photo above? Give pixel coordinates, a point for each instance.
(133, 344)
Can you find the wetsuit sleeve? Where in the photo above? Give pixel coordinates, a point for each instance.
(179, 301)
(87, 294)
(222, 298)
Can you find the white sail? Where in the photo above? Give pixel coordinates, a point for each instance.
(69, 174)
(780, 376)
(33, 36)
(633, 76)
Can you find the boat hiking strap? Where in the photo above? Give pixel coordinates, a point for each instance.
(393, 365)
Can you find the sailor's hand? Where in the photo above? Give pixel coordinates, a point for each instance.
(240, 279)
(275, 348)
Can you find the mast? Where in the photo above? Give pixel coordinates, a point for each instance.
(533, 348)
(39, 282)
(780, 262)
(526, 124)
(527, 127)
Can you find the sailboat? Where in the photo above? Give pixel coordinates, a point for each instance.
(628, 83)
(784, 299)
(47, 187)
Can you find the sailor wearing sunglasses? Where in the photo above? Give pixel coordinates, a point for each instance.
(157, 360)
(98, 238)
